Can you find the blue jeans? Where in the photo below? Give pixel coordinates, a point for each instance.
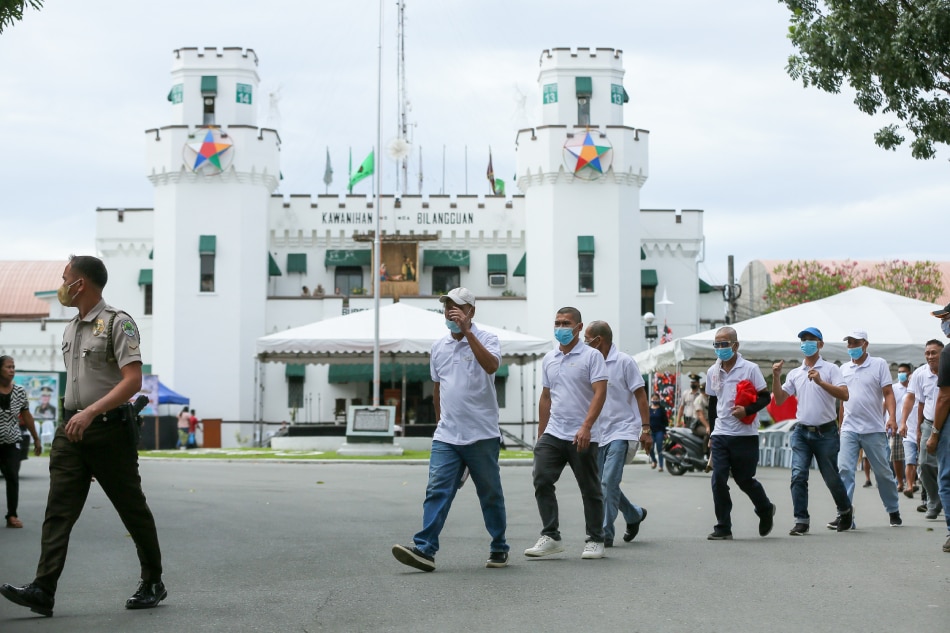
(823, 447)
(875, 449)
(446, 465)
(610, 459)
(943, 471)
(657, 446)
(551, 455)
(738, 455)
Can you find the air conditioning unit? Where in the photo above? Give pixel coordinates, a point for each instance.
(497, 280)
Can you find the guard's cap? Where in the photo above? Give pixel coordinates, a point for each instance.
(813, 331)
(942, 312)
(459, 296)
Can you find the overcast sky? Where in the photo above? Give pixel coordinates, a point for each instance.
(780, 171)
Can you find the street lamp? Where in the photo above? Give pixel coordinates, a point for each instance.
(649, 330)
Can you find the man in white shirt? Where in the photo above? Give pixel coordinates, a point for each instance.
(895, 443)
(574, 389)
(621, 430)
(734, 442)
(869, 382)
(816, 384)
(462, 365)
(917, 417)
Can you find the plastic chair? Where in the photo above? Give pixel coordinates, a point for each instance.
(47, 431)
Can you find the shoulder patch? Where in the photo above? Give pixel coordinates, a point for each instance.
(129, 328)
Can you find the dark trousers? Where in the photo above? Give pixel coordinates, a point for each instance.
(551, 455)
(738, 455)
(10, 469)
(106, 452)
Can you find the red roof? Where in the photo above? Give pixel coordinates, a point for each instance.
(20, 280)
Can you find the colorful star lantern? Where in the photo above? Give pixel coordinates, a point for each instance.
(211, 150)
(588, 154)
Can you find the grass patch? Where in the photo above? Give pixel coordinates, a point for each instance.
(273, 454)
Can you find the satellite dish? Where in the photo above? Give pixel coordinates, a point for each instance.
(398, 148)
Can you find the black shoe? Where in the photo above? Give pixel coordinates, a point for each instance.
(147, 596)
(497, 559)
(800, 529)
(634, 528)
(845, 521)
(932, 514)
(719, 535)
(608, 542)
(896, 519)
(867, 484)
(29, 596)
(413, 557)
(766, 521)
(922, 507)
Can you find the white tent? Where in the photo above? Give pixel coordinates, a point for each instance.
(897, 329)
(406, 334)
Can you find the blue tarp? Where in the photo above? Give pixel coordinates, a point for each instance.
(167, 396)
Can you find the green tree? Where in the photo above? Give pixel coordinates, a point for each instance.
(895, 54)
(11, 11)
(802, 281)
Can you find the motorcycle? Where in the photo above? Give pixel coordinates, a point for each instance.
(683, 450)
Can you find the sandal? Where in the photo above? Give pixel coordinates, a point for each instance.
(13, 522)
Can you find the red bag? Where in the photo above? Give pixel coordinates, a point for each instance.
(746, 395)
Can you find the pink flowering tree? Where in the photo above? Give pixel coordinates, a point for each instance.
(918, 280)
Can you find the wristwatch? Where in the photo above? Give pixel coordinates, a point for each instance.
(935, 431)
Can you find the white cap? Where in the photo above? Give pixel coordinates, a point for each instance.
(857, 334)
(459, 296)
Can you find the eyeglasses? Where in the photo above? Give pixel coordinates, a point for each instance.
(722, 344)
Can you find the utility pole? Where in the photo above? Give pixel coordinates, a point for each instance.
(731, 292)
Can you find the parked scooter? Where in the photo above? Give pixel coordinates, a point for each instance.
(683, 450)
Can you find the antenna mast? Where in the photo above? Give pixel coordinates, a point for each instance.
(403, 99)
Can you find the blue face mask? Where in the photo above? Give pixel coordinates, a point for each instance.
(855, 352)
(724, 353)
(809, 348)
(453, 327)
(564, 335)
(902, 376)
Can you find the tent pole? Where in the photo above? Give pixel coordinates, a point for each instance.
(521, 384)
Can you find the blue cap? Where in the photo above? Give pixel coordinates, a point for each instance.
(813, 331)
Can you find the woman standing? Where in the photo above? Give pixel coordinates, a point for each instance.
(659, 420)
(14, 405)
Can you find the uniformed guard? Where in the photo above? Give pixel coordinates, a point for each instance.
(99, 438)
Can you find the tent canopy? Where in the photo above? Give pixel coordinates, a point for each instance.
(897, 329)
(406, 334)
(167, 396)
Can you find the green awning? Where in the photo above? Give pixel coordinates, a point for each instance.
(502, 371)
(209, 85)
(520, 268)
(445, 258)
(296, 263)
(207, 244)
(348, 258)
(584, 86)
(273, 270)
(585, 244)
(498, 264)
(643, 254)
(151, 254)
(145, 277)
(146, 368)
(648, 278)
(388, 372)
(705, 288)
(295, 371)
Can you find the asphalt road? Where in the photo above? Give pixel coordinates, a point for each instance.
(306, 547)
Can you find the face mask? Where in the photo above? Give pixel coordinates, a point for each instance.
(564, 335)
(855, 352)
(902, 376)
(724, 353)
(656, 403)
(63, 293)
(453, 327)
(809, 348)
(945, 326)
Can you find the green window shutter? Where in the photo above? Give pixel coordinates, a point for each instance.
(583, 86)
(521, 267)
(145, 277)
(273, 270)
(295, 371)
(648, 278)
(207, 244)
(498, 264)
(445, 258)
(209, 85)
(296, 262)
(585, 244)
(348, 258)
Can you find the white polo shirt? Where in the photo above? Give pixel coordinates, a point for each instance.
(570, 378)
(815, 405)
(620, 417)
(467, 404)
(922, 382)
(862, 410)
(900, 391)
(722, 384)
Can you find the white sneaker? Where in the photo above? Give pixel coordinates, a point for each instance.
(547, 545)
(593, 550)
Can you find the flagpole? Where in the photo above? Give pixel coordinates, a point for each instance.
(377, 255)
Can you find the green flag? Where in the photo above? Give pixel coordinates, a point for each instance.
(499, 187)
(366, 169)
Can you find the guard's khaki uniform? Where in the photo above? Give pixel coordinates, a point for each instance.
(106, 452)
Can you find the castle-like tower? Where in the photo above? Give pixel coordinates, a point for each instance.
(213, 171)
(581, 171)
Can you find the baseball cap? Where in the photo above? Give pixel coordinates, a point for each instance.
(942, 312)
(858, 334)
(813, 331)
(459, 296)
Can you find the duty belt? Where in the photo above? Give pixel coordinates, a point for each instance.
(823, 428)
(115, 415)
